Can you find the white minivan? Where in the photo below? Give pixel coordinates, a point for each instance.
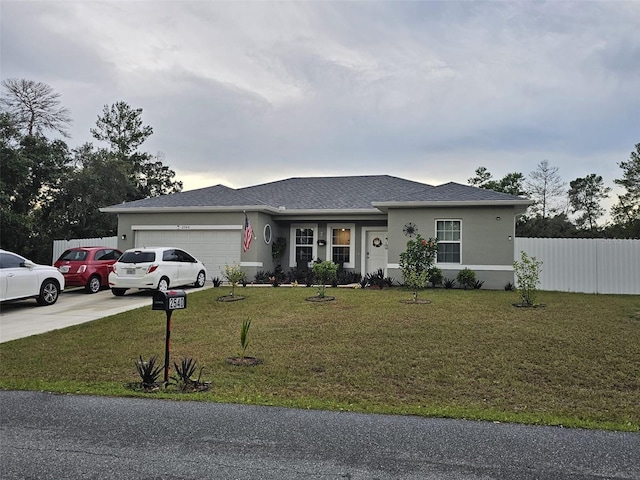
(155, 268)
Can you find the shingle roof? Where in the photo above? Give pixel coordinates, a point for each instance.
(334, 193)
(218, 196)
(452, 192)
(321, 193)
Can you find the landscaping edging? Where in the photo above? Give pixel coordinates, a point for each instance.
(320, 299)
(230, 298)
(244, 361)
(524, 305)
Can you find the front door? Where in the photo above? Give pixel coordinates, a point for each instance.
(377, 253)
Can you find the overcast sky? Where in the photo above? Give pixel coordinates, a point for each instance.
(241, 93)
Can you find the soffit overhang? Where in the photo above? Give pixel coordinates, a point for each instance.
(191, 209)
(386, 206)
(281, 212)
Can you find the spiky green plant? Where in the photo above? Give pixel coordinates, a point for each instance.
(148, 372)
(184, 372)
(244, 335)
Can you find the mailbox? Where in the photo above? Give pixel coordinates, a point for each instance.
(169, 300)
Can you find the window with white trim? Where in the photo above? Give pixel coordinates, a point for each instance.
(303, 242)
(448, 233)
(341, 244)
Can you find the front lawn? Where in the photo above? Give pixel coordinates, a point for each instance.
(467, 354)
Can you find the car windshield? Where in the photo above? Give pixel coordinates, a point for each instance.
(138, 257)
(74, 255)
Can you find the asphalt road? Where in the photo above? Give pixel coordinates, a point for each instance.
(25, 317)
(47, 436)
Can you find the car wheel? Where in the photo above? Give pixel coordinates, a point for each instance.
(49, 292)
(163, 284)
(201, 279)
(93, 285)
(118, 292)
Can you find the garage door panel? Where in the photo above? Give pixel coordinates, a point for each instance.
(214, 248)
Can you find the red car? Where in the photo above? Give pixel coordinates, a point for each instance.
(87, 267)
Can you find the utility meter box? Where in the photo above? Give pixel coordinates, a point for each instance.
(169, 300)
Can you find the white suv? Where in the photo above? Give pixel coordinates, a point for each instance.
(155, 268)
(21, 278)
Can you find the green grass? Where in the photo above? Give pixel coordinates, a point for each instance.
(468, 354)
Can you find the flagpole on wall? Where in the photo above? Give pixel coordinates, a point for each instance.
(249, 234)
(254, 233)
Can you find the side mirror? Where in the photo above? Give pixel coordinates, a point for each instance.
(28, 264)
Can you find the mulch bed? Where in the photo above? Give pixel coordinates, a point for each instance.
(320, 299)
(193, 387)
(230, 298)
(139, 387)
(244, 361)
(525, 305)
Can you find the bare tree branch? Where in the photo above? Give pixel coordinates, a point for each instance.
(34, 106)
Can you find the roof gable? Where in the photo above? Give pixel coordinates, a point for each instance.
(218, 195)
(449, 192)
(334, 193)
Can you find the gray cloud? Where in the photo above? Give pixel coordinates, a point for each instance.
(246, 92)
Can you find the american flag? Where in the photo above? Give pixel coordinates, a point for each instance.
(248, 234)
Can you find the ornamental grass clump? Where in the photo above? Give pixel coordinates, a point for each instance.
(417, 262)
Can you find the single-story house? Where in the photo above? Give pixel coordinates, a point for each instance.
(360, 222)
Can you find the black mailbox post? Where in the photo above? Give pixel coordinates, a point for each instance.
(168, 301)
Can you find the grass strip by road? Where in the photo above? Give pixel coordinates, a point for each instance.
(467, 354)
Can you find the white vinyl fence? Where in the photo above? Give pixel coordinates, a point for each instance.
(588, 265)
(59, 246)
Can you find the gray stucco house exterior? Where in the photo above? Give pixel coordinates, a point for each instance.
(360, 222)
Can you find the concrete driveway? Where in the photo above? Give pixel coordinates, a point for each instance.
(25, 318)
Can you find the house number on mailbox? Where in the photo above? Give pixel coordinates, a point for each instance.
(176, 303)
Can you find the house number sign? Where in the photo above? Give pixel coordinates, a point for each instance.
(176, 303)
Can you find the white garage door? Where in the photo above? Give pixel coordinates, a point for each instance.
(214, 248)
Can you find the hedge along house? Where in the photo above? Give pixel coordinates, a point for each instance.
(362, 223)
